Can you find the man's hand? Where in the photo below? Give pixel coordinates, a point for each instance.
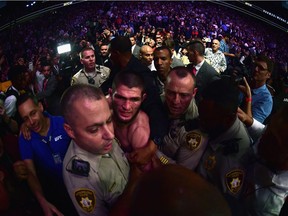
(25, 131)
(49, 209)
(21, 170)
(244, 117)
(144, 155)
(245, 89)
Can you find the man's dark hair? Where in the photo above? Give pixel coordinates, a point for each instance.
(130, 79)
(24, 97)
(75, 92)
(196, 45)
(121, 44)
(267, 61)
(224, 94)
(16, 72)
(169, 43)
(164, 48)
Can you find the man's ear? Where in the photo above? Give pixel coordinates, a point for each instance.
(69, 130)
(195, 91)
(40, 105)
(144, 97)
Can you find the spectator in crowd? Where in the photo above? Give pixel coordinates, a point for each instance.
(135, 49)
(43, 154)
(259, 98)
(215, 57)
(146, 57)
(204, 72)
(225, 48)
(105, 56)
(171, 45)
(4, 66)
(95, 168)
(48, 93)
(91, 73)
(162, 61)
(17, 77)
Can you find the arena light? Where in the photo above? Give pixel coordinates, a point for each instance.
(64, 48)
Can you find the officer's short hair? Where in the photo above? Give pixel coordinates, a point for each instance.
(224, 94)
(182, 72)
(75, 92)
(121, 44)
(130, 79)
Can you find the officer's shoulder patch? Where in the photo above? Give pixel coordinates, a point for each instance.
(73, 80)
(193, 140)
(85, 199)
(234, 180)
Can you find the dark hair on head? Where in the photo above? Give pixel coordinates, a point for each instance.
(196, 45)
(16, 72)
(74, 93)
(130, 79)
(169, 43)
(268, 61)
(163, 48)
(224, 94)
(24, 97)
(46, 63)
(83, 50)
(182, 72)
(121, 44)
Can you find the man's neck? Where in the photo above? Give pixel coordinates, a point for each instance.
(46, 126)
(92, 70)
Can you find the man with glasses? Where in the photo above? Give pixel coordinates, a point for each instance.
(260, 98)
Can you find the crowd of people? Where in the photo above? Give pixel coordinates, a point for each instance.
(145, 85)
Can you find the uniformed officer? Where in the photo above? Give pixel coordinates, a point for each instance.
(95, 169)
(222, 163)
(91, 73)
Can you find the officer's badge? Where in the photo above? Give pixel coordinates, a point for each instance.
(86, 199)
(104, 75)
(193, 140)
(234, 180)
(210, 162)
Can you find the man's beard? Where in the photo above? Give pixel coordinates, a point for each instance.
(124, 122)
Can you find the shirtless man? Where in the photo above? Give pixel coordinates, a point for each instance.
(131, 125)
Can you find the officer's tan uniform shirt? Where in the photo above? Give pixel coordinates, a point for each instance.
(100, 75)
(108, 176)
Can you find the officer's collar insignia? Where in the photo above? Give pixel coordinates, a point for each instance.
(86, 199)
(193, 140)
(234, 180)
(210, 162)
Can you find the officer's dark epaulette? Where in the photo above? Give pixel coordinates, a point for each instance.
(191, 124)
(230, 146)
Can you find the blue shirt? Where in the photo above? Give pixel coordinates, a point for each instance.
(45, 151)
(262, 103)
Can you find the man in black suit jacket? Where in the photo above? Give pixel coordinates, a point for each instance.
(135, 49)
(204, 72)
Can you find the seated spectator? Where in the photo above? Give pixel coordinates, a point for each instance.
(215, 57)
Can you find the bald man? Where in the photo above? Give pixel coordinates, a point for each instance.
(146, 57)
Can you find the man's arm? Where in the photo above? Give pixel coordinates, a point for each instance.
(35, 186)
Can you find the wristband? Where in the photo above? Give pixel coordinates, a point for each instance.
(248, 99)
